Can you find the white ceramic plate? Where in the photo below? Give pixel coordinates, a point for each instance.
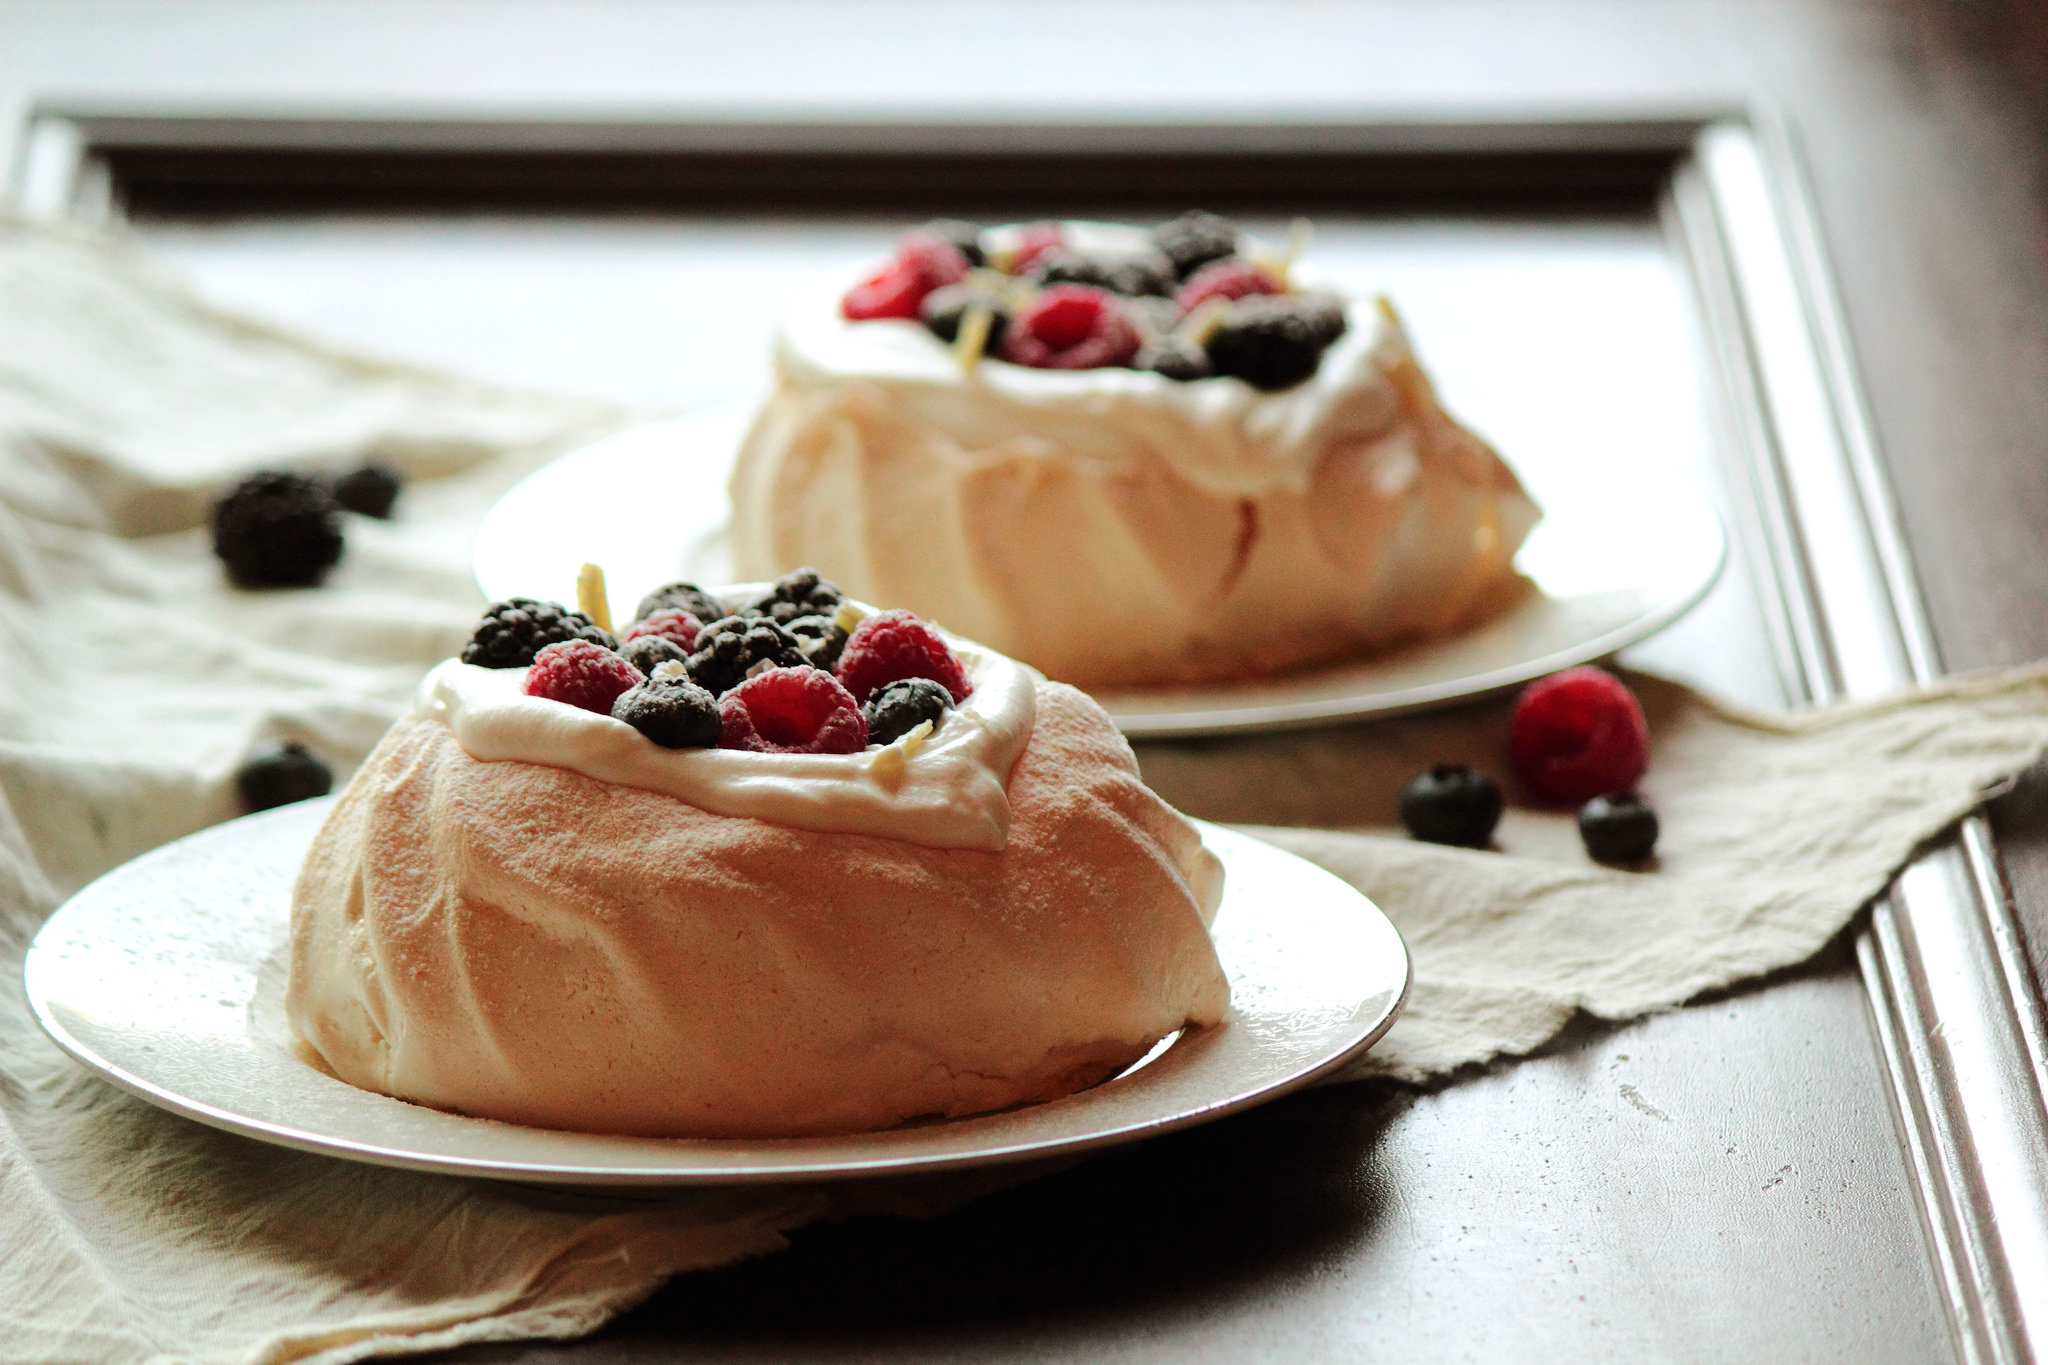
(165, 977)
(1613, 560)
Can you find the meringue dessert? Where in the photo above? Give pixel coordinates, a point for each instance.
(691, 885)
(1125, 458)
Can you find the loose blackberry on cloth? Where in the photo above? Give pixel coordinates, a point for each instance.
(137, 677)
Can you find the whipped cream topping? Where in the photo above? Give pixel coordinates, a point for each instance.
(945, 790)
(1221, 434)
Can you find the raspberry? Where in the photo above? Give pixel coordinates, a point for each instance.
(791, 711)
(1135, 273)
(895, 644)
(1577, 735)
(671, 623)
(516, 629)
(730, 649)
(897, 290)
(1618, 828)
(897, 708)
(277, 777)
(581, 674)
(673, 712)
(1274, 342)
(1071, 327)
(368, 491)
(1194, 239)
(683, 597)
(1229, 278)
(1451, 804)
(1036, 240)
(277, 530)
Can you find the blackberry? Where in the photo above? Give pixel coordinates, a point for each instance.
(647, 651)
(682, 597)
(1138, 273)
(819, 639)
(369, 490)
(1270, 341)
(281, 775)
(1324, 313)
(731, 648)
(515, 630)
(944, 309)
(964, 237)
(800, 593)
(1175, 358)
(1194, 239)
(672, 711)
(897, 708)
(277, 530)
(1451, 804)
(1619, 827)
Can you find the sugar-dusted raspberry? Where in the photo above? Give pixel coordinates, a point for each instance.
(1233, 277)
(895, 644)
(799, 710)
(672, 623)
(1071, 327)
(1577, 735)
(581, 674)
(1036, 240)
(897, 290)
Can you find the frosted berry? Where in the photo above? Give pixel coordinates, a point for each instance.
(1273, 342)
(672, 623)
(945, 309)
(1451, 804)
(673, 712)
(1619, 827)
(1035, 241)
(580, 673)
(898, 289)
(803, 592)
(895, 644)
(820, 639)
(683, 597)
(368, 491)
(791, 711)
(1578, 734)
(1230, 278)
(1071, 327)
(729, 649)
(515, 630)
(281, 775)
(1135, 273)
(277, 530)
(897, 708)
(963, 237)
(1175, 358)
(1194, 239)
(649, 652)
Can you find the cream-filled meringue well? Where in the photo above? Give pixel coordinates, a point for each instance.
(1114, 526)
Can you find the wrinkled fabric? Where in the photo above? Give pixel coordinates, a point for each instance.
(133, 681)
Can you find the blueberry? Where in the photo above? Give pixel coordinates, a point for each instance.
(1619, 827)
(281, 775)
(897, 708)
(673, 712)
(1174, 358)
(369, 490)
(648, 652)
(1451, 804)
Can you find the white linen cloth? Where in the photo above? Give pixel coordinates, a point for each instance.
(133, 680)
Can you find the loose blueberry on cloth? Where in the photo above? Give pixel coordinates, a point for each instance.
(131, 1235)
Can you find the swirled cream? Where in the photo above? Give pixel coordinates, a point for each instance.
(950, 791)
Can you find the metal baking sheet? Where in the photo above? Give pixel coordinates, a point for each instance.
(1848, 1163)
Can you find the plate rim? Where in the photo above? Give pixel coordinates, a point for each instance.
(644, 1176)
(1125, 706)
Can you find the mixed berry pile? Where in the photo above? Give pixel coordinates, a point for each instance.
(1577, 738)
(1189, 304)
(783, 674)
